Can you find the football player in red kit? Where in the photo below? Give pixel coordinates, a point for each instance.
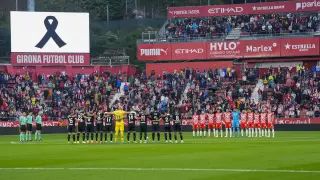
(257, 125)
(227, 122)
(211, 125)
(218, 127)
(270, 122)
(195, 124)
(203, 119)
(243, 123)
(263, 121)
(250, 123)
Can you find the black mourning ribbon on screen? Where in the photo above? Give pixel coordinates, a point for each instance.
(51, 33)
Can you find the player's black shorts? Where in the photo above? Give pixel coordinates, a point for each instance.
(99, 127)
(71, 129)
(131, 127)
(39, 127)
(177, 127)
(155, 127)
(23, 128)
(90, 128)
(167, 128)
(81, 127)
(143, 128)
(109, 128)
(29, 127)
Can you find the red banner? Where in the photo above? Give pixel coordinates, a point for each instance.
(297, 121)
(189, 51)
(230, 49)
(254, 48)
(224, 50)
(241, 9)
(300, 47)
(18, 58)
(154, 52)
(44, 123)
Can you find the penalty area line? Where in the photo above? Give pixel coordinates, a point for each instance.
(172, 169)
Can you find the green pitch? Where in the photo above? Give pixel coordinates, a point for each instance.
(291, 155)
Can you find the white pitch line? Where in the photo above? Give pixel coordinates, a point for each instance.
(172, 169)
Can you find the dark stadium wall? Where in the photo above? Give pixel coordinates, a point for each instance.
(278, 127)
(158, 68)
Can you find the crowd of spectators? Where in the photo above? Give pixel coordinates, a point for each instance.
(249, 24)
(289, 92)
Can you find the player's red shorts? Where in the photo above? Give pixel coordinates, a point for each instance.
(257, 125)
(263, 125)
(195, 126)
(219, 126)
(228, 125)
(243, 125)
(270, 125)
(202, 126)
(211, 126)
(250, 125)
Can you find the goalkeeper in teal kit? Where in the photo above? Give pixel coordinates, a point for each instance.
(236, 122)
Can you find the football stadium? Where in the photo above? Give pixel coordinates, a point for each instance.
(159, 89)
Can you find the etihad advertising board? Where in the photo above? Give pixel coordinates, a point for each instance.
(276, 47)
(49, 38)
(241, 9)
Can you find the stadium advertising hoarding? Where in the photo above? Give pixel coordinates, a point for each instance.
(300, 47)
(185, 122)
(284, 47)
(49, 38)
(240, 9)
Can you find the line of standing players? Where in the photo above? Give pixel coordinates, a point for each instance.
(249, 123)
(98, 126)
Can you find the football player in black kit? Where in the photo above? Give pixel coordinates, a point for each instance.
(99, 126)
(143, 125)
(81, 127)
(89, 116)
(167, 126)
(108, 120)
(155, 118)
(177, 125)
(72, 126)
(131, 125)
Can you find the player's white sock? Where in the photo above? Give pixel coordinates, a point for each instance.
(273, 133)
(247, 132)
(268, 132)
(256, 132)
(204, 133)
(265, 132)
(250, 132)
(217, 132)
(209, 132)
(259, 130)
(241, 132)
(198, 132)
(226, 132)
(193, 133)
(214, 132)
(230, 132)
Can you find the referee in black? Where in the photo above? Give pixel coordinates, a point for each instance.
(167, 126)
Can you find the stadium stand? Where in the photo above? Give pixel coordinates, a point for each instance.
(249, 25)
(289, 92)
